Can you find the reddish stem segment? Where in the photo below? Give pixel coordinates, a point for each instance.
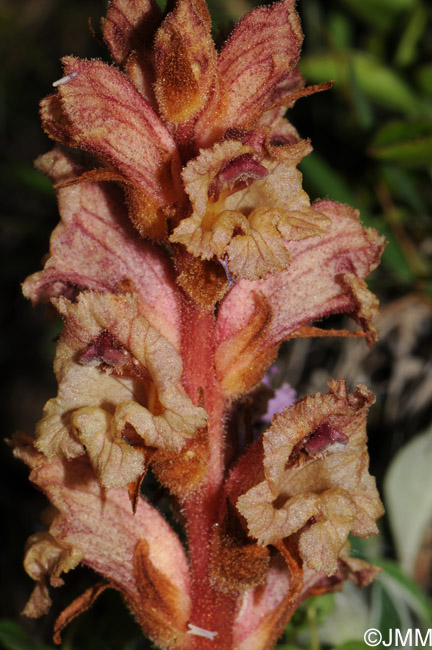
(212, 610)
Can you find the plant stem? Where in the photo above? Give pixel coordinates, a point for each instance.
(312, 619)
(212, 610)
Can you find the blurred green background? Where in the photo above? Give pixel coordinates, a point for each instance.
(372, 135)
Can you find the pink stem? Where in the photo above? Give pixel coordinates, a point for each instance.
(212, 610)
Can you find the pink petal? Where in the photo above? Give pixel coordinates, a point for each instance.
(95, 247)
(129, 29)
(262, 51)
(110, 119)
(315, 283)
(130, 25)
(100, 523)
(264, 610)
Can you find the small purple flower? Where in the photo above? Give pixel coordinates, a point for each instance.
(284, 396)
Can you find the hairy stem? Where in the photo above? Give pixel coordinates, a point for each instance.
(212, 610)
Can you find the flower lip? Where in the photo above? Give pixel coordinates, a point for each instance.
(242, 167)
(103, 349)
(323, 438)
(237, 173)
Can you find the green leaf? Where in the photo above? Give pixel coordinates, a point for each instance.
(361, 102)
(27, 177)
(409, 481)
(323, 180)
(385, 87)
(406, 52)
(13, 637)
(403, 186)
(408, 143)
(424, 79)
(322, 605)
(387, 615)
(340, 29)
(380, 83)
(380, 14)
(223, 12)
(403, 589)
(394, 258)
(366, 548)
(399, 131)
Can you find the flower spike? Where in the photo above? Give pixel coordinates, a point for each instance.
(187, 252)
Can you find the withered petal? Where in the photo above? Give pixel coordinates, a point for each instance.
(120, 316)
(365, 304)
(269, 524)
(115, 462)
(100, 523)
(320, 496)
(77, 607)
(93, 406)
(322, 543)
(201, 172)
(45, 559)
(54, 120)
(261, 250)
(303, 418)
(247, 208)
(79, 386)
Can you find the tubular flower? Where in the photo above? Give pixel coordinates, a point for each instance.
(187, 252)
(114, 370)
(243, 190)
(316, 477)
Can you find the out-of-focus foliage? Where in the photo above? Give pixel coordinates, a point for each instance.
(372, 135)
(409, 481)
